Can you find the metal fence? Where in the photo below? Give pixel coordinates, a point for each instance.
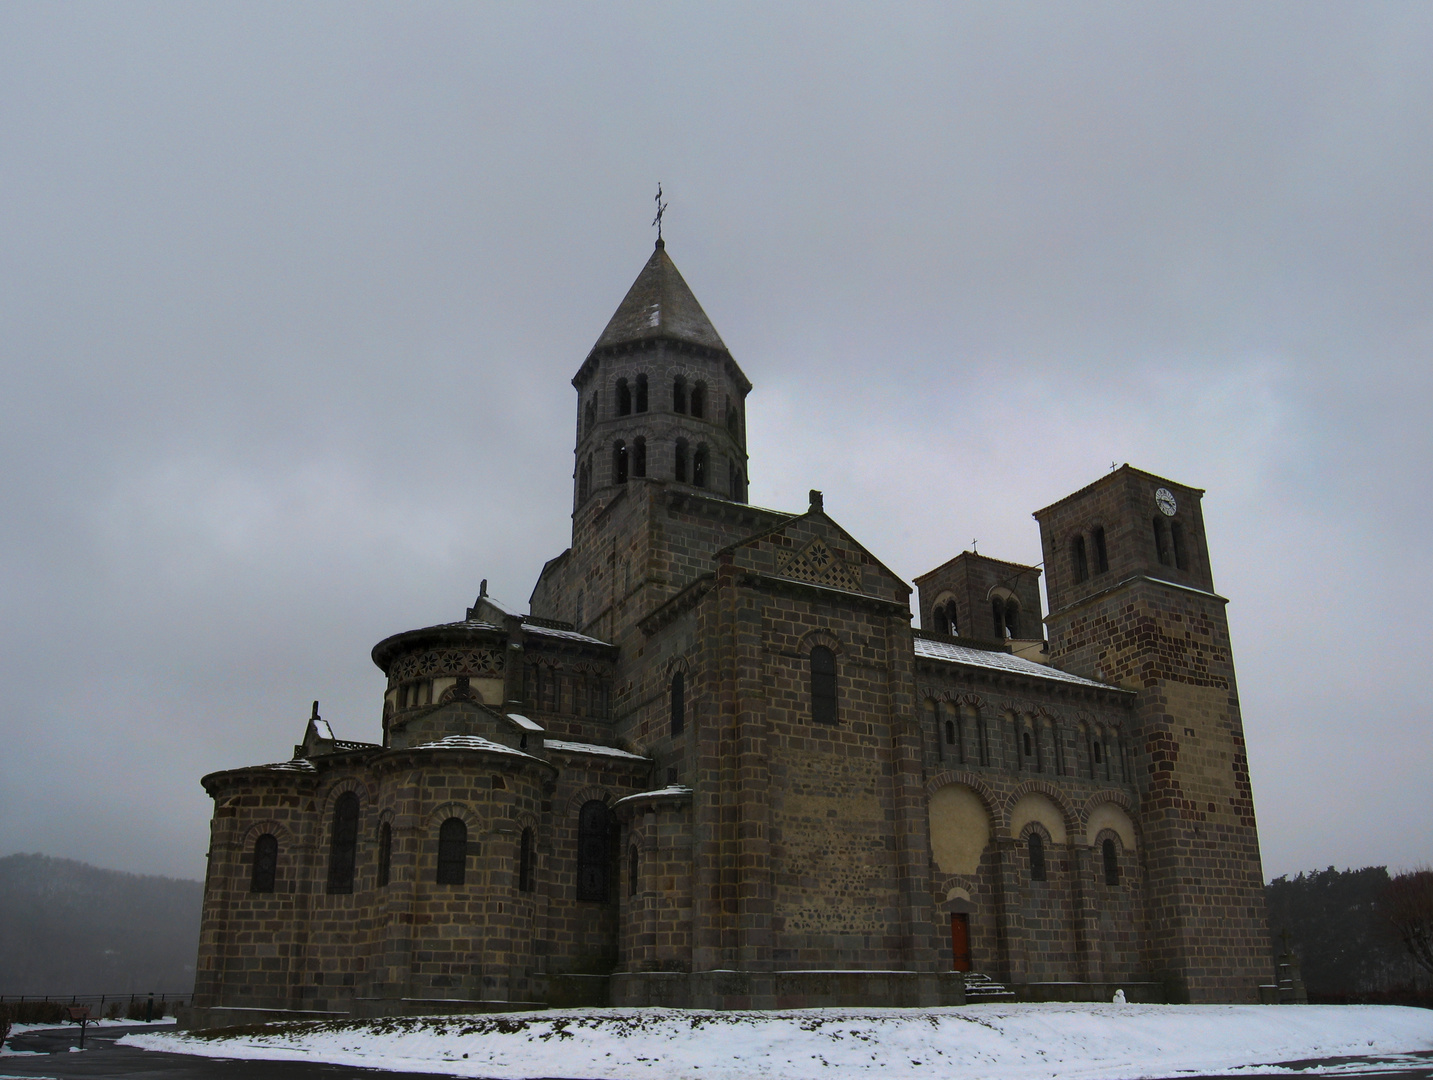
(146, 1006)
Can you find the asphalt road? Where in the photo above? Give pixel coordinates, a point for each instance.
(52, 1058)
(102, 1058)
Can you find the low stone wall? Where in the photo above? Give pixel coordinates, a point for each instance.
(787, 989)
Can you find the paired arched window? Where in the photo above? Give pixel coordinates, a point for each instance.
(452, 852)
(1176, 538)
(594, 836)
(1079, 559)
(823, 685)
(678, 702)
(679, 395)
(679, 463)
(1102, 551)
(1036, 846)
(945, 619)
(624, 398)
(1161, 542)
(641, 395)
(1112, 862)
(1005, 615)
(699, 467)
(526, 862)
(266, 864)
(385, 853)
(343, 843)
(619, 462)
(639, 456)
(698, 401)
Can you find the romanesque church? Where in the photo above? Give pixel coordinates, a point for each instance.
(711, 762)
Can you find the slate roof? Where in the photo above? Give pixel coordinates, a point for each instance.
(660, 305)
(589, 748)
(926, 649)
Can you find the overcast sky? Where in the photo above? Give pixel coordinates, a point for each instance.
(291, 295)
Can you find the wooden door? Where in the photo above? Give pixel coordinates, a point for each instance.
(960, 941)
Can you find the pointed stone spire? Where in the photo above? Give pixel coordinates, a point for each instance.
(660, 305)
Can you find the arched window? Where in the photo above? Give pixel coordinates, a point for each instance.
(950, 733)
(699, 400)
(584, 482)
(633, 865)
(731, 419)
(997, 616)
(641, 393)
(266, 863)
(945, 619)
(1036, 845)
(1112, 863)
(1079, 559)
(590, 417)
(679, 468)
(679, 395)
(1161, 542)
(699, 467)
(1012, 618)
(1025, 741)
(679, 702)
(385, 853)
(823, 685)
(624, 398)
(619, 462)
(594, 834)
(639, 456)
(1176, 535)
(525, 861)
(1102, 552)
(343, 843)
(452, 852)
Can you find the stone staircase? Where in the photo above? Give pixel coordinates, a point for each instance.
(980, 987)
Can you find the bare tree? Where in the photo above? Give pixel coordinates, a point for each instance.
(1408, 905)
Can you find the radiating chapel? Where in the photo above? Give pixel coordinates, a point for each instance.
(711, 762)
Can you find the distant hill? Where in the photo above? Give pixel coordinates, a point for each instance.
(70, 928)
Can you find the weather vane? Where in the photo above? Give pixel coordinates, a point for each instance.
(661, 209)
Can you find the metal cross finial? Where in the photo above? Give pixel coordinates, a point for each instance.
(1113, 466)
(661, 209)
(973, 549)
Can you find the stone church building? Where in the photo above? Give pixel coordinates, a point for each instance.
(712, 763)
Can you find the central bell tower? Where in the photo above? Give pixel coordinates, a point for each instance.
(659, 396)
(661, 430)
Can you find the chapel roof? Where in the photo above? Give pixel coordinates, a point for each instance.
(660, 304)
(951, 653)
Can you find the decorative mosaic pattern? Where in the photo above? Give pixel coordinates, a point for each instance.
(477, 663)
(817, 564)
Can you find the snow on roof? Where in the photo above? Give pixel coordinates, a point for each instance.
(589, 748)
(296, 765)
(569, 635)
(321, 728)
(524, 723)
(471, 742)
(671, 791)
(926, 649)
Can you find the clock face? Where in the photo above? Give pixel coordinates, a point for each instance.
(1164, 499)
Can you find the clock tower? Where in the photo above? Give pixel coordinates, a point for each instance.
(1132, 602)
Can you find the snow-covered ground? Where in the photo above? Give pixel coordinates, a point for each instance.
(973, 1042)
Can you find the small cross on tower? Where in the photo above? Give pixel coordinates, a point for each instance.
(661, 209)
